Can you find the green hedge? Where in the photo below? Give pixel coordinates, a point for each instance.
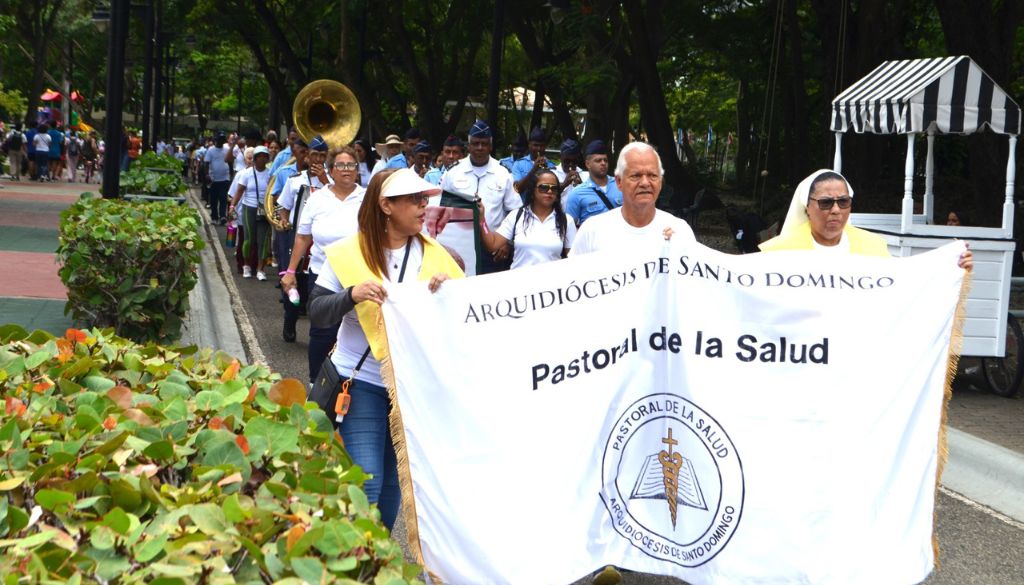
(129, 265)
(140, 181)
(126, 464)
(152, 160)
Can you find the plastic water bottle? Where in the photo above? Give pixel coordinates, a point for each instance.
(232, 233)
(293, 296)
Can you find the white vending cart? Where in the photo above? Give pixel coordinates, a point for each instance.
(948, 95)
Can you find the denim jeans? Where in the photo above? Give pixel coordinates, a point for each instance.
(367, 438)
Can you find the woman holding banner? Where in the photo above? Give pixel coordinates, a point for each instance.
(389, 246)
(539, 231)
(818, 219)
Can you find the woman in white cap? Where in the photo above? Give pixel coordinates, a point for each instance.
(390, 246)
(252, 188)
(818, 219)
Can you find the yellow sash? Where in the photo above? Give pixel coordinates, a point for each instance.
(346, 259)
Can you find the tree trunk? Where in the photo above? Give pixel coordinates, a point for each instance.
(653, 110)
(797, 137)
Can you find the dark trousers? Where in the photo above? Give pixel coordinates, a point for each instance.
(218, 200)
(321, 340)
(283, 242)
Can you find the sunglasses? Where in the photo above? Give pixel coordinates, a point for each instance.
(343, 166)
(826, 203)
(416, 198)
(547, 188)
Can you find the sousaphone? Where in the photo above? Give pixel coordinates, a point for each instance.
(323, 107)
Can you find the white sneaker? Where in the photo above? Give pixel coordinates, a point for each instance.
(260, 275)
(246, 272)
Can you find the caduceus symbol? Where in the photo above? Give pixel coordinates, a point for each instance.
(670, 464)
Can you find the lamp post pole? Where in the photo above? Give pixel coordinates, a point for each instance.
(115, 98)
(497, 46)
(147, 73)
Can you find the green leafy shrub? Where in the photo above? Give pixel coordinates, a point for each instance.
(152, 160)
(140, 181)
(131, 464)
(129, 265)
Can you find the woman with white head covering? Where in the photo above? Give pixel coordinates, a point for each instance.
(818, 219)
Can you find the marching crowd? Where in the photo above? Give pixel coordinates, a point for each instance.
(47, 152)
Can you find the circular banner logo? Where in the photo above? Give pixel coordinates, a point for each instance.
(672, 480)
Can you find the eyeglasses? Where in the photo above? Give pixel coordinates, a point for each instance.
(826, 203)
(547, 188)
(416, 198)
(343, 166)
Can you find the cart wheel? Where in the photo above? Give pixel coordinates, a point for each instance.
(1004, 374)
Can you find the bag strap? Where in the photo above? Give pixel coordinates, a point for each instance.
(519, 215)
(603, 197)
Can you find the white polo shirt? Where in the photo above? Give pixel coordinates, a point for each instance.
(610, 231)
(329, 220)
(536, 241)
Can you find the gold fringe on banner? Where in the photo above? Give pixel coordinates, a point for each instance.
(387, 374)
(956, 343)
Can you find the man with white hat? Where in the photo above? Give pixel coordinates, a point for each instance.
(389, 149)
(480, 175)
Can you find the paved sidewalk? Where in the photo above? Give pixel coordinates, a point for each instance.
(31, 293)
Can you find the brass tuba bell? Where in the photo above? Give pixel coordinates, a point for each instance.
(323, 107)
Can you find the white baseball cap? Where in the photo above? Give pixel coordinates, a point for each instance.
(260, 150)
(407, 182)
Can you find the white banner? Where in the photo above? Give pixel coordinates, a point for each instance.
(768, 418)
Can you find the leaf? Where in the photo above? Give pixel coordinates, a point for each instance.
(14, 406)
(139, 417)
(209, 400)
(109, 423)
(231, 371)
(288, 392)
(233, 478)
(233, 510)
(147, 550)
(51, 499)
(243, 444)
(117, 521)
(160, 450)
(11, 483)
(309, 569)
(76, 335)
(209, 518)
(294, 534)
(225, 453)
(280, 437)
(121, 395)
(358, 498)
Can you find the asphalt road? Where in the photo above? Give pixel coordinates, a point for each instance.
(977, 546)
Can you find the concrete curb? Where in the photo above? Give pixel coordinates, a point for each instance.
(986, 473)
(221, 300)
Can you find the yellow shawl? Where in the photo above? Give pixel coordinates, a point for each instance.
(861, 241)
(346, 259)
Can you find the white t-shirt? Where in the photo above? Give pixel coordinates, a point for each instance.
(610, 230)
(364, 174)
(351, 340)
(291, 190)
(41, 142)
(239, 162)
(491, 182)
(537, 241)
(841, 247)
(329, 220)
(254, 181)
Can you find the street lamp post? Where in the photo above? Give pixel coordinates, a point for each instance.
(115, 98)
(147, 72)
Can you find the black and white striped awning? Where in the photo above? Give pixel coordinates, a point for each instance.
(903, 97)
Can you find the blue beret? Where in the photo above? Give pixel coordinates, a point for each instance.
(538, 135)
(570, 146)
(422, 146)
(480, 129)
(300, 142)
(596, 147)
(318, 144)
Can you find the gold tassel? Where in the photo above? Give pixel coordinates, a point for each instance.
(387, 374)
(956, 342)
